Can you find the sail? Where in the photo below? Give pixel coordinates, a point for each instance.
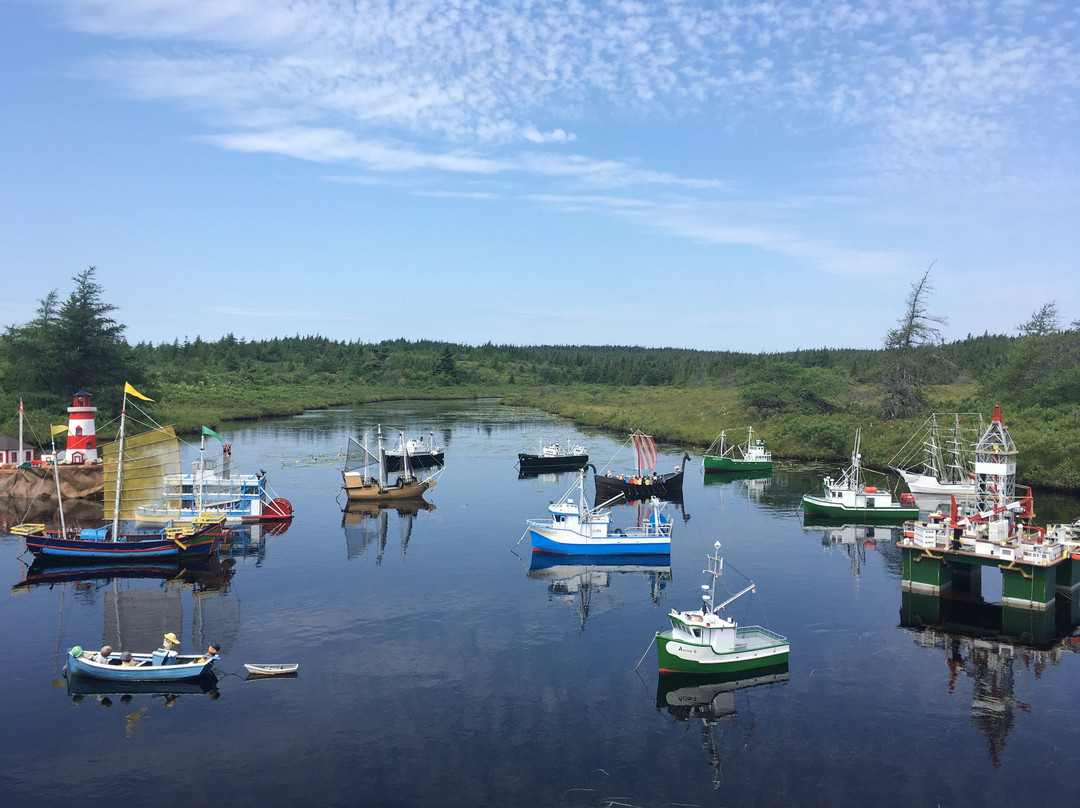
(148, 457)
(646, 451)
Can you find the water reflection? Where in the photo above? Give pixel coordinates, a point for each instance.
(989, 644)
(366, 526)
(248, 542)
(204, 575)
(855, 541)
(712, 700)
(575, 581)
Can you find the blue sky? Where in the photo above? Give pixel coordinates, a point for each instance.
(752, 176)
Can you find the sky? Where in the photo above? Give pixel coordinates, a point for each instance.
(756, 176)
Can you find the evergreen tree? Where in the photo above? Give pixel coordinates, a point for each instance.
(66, 348)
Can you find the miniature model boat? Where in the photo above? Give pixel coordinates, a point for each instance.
(850, 498)
(576, 529)
(644, 483)
(552, 457)
(721, 455)
(421, 455)
(159, 666)
(702, 641)
(271, 668)
(360, 485)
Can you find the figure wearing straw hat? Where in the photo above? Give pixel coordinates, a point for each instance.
(166, 655)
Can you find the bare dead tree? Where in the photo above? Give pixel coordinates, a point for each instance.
(903, 380)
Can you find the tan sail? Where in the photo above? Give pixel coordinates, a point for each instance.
(148, 457)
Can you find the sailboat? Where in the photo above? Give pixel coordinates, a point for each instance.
(196, 538)
(360, 485)
(645, 483)
(929, 466)
(720, 456)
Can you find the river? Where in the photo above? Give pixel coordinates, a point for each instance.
(437, 668)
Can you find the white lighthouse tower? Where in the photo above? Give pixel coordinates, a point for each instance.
(82, 437)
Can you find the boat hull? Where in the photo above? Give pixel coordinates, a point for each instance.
(364, 489)
(820, 507)
(714, 464)
(184, 669)
(669, 487)
(755, 648)
(928, 484)
(547, 539)
(157, 547)
(536, 464)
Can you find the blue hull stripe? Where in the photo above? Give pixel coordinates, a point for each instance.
(620, 545)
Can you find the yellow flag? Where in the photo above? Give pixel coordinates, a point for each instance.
(58, 430)
(131, 391)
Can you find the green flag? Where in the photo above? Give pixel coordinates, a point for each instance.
(208, 431)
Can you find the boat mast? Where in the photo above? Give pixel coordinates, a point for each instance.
(56, 472)
(198, 478)
(20, 458)
(119, 470)
(405, 465)
(382, 457)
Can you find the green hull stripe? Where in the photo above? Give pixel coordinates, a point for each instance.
(670, 662)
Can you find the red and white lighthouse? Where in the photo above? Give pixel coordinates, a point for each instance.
(82, 440)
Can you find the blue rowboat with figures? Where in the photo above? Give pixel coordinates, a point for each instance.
(159, 666)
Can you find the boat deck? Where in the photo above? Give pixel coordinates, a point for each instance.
(751, 638)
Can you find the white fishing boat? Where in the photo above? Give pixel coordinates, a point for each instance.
(421, 454)
(850, 498)
(573, 528)
(931, 464)
(703, 641)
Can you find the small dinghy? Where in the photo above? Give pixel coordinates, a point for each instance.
(270, 668)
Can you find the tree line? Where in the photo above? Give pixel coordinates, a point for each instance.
(78, 344)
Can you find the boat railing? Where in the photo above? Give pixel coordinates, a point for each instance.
(780, 638)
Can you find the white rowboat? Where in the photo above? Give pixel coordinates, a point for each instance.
(271, 669)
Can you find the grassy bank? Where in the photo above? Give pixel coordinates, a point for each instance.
(1048, 440)
(690, 418)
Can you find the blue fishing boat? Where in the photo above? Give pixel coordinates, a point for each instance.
(573, 528)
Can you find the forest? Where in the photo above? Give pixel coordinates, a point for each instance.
(806, 403)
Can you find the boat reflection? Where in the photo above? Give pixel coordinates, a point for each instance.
(856, 540)
(711, 698)
(367, 524)
(990, 645)
(575, 579)
(136, 698)
(205, 575)
(248, 542)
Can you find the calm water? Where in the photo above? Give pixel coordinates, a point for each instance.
(437, 668)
